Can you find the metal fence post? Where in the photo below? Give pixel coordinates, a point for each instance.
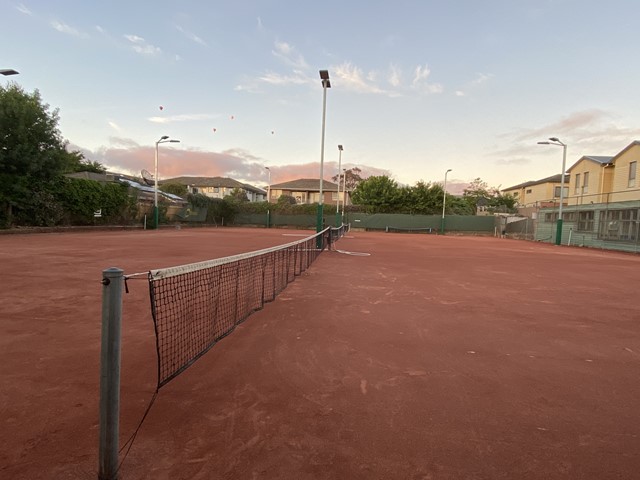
(112, 281)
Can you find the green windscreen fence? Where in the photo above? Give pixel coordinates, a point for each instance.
(453, 223)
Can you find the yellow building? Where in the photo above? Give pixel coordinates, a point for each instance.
(625, 185)
(539, 193)
(591, 179)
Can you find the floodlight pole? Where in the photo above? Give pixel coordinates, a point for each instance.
(556, 141)
(324, 76)
(344, 190)
(444, 201)
(338, 219)
(268, 198)
(163, 139)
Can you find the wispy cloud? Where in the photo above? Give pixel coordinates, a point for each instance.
(482, 78)
(296, 78)
(67, 29)
(289, 55)
(114, 125)
(141, 46)
(395, 76)
(189, 117)
(191, 36)
(421, 83)
(352, 78)
(22, 9)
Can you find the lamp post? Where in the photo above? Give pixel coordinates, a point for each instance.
(324, 76)
(444, 201)
(163, 139)
(344, 190)
(338, 219)
(556, 141)
(268, 198)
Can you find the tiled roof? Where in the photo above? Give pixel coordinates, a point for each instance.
(306, 185)
(205, 182)
(552, 179)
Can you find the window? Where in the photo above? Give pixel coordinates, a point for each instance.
(632, 174)
(551, 217)
(216, 189)
(556, 192)
(585, 183)
(577, 187)
(585, 221)
(529, 190)
(619, 225)
(334, 196)
(570, 216)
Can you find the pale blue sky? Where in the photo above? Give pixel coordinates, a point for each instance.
(418, 87)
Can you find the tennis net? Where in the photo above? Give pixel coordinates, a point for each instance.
(194, 306)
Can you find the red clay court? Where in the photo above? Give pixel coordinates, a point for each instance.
(431, 358)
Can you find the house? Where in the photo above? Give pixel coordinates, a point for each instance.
(625, 185)
(539, 193)
(591, 176)
(603, 206)
(218, 187)
(307, 190)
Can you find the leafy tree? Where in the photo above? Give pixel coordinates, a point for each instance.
(286, 200)
(174, 188)
(238, 195)
(423, 198)
(32, 152)
(378, 194)
(351, 178)
(495, 201)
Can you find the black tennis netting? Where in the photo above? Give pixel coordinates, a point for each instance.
(194, 306)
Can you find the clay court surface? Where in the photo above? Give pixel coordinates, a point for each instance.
(431, 358)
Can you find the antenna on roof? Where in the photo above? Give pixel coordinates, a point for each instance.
(148, 178)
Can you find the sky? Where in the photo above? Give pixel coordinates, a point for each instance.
(418, 87)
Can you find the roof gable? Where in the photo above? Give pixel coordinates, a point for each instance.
(306, 185)
(599, 159)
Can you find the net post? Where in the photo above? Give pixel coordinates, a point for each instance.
(112, 281)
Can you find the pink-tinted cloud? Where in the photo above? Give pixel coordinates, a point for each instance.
(125, 156)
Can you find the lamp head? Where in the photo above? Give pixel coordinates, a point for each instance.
(340, 147)
(543, 143)
(554, 139)
(174, 141)
(164, 137)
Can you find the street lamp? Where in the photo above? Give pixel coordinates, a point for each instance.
(326, 83)
(8, 71)
(556, 141)
(268, 198)
(444, 200)
(338, 219)
(344, 190)
(163, 139)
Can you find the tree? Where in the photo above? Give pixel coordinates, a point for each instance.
(378, 194)
(174, 188)
(495, 201)
(423, 198)
(351, 178)
(32, 153)
(238, 195)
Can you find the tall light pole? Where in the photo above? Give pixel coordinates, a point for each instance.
(444, 201)
(163, 139)
(344, 190)
(324, 76)
(556, 141)
(268, 198)
(338, 219)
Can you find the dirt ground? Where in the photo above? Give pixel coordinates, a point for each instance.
(429, 358)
